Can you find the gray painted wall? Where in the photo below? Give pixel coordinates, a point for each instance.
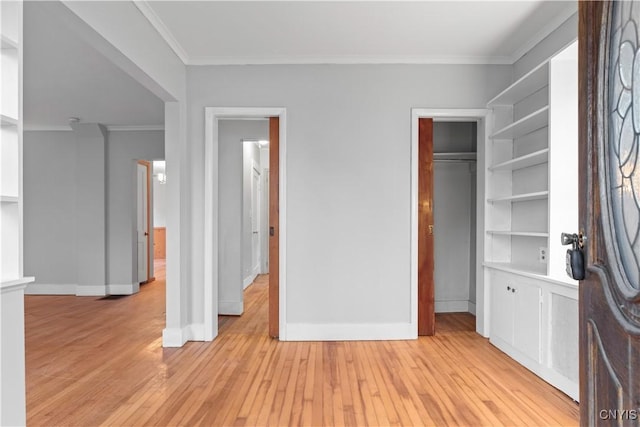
(348, 174)
(51, 206)
(230, 175)
(549, 46)
(50, 249)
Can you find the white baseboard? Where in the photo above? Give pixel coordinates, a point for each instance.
(249, 280)
(196, 332)
(177, 337)
(91, 291)
(472, 308)
(455, 306)
(230, 308)
(350, 331)
(123, 289)
(81, 291)
(50, 289)
(174, 337)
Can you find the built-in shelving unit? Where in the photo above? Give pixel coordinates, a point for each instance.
(531, 187)
(12, 280)
(523, 158)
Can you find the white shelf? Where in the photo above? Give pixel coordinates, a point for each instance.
(517, 233)
(16, 282)
(9, 199)
(6, 121)
(539, 195)
(522, 162)
(7, 42)
(534, 272)
(528, 84)
(534, 121)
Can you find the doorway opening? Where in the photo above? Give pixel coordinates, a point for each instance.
(222, 230)
(456, 169)
(454, 215)
(159, 192)
(242, 162)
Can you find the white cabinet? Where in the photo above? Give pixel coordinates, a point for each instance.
(516, 314)
(12, 281)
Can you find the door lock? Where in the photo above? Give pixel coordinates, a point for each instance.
(575, 255)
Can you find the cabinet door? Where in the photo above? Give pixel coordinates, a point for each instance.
(501, 308)
(527, 314)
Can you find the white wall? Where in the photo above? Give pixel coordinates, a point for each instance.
(51, 207)
(230, 175)
(348, 177)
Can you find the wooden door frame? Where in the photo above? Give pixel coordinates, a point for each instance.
(481, 116)
(211, 202)
(147, 165)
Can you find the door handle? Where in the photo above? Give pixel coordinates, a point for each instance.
(430, 229)
(272, 231)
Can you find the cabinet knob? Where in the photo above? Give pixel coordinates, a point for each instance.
(513, 290)
(508, 288)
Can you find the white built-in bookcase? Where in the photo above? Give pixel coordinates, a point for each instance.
(531, 188)
(532, 191)
(12, 280)
(11, 267)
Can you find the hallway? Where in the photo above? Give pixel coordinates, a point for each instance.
(99, 361)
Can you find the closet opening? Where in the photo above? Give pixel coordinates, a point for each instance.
(454, 215)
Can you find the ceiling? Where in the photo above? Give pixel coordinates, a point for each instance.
(259, 32)
(64, 76)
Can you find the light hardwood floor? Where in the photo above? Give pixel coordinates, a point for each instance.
(93, 361)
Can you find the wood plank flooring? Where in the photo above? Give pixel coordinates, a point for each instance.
(94, 361)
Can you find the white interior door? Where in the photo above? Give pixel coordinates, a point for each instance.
(142, 226)
(255, 219)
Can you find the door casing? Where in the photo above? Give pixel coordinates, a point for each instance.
(481, 116)
(212, 115)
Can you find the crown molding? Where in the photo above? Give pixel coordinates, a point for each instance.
(351, 60)
(157, 23)
(544, 32)
(38, 128)
(134, 128)
(110, 128)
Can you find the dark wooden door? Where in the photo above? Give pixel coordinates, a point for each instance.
(610, 212)
(426, 305)
(274, 225)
